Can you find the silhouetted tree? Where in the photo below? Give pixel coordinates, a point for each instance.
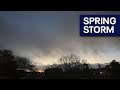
(23, 63)
(9, 63)
(69, 62)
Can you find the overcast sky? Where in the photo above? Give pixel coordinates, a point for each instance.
(44, 36)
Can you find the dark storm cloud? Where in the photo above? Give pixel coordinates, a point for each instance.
(50, 33)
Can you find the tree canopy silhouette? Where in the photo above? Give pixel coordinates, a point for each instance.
(69, 62)
(23, 63)
(69, 67)
(114, 69)
(9, 63)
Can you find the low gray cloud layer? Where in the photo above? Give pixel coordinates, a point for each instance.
(50, 34)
